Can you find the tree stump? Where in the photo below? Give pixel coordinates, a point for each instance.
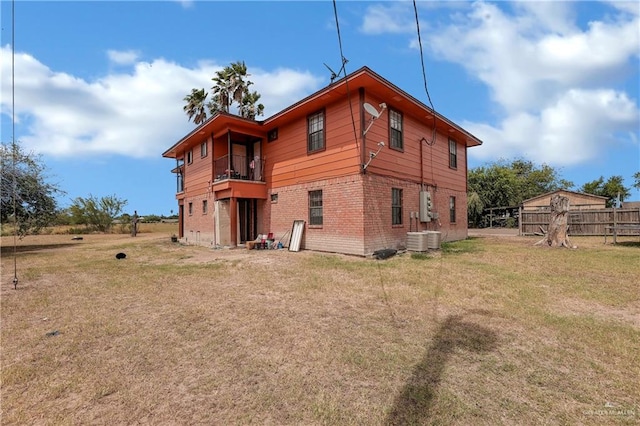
(556, 235)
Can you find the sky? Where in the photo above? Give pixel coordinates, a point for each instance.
(98, 86)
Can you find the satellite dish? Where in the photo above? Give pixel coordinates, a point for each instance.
(371, 110)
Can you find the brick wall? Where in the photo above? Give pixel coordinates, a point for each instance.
(342, 201)
(379, 231)
(357, 214)
(198, 226)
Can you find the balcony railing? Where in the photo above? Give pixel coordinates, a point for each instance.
(242, 167)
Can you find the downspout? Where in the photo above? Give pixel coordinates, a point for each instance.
(466, 193)
(421, 165)
(466, 170)
(213, 199)
(362, 126)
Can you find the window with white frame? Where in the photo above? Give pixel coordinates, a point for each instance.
(315, 207)
(203, 149)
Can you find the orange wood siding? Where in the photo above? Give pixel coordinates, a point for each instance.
(287, 161)
(198, 174)
(429, 166)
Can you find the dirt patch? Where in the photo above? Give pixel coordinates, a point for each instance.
(628, 315)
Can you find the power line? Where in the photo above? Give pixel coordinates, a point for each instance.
(424, 73)
(343, 69)
(426, 89)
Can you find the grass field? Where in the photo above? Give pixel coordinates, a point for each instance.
(487, 331)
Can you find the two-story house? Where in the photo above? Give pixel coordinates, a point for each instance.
(360, 161)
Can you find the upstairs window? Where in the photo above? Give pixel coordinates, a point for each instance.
(205, 206)
(203, 149)
(315, 207)
(453, 154)
(396, 206)
(315, 132)
(395, 130)
(190, 156)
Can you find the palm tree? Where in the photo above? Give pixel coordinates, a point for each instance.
(249, 108)
(238, 86)
(231, 85)
(195, 106)
(221, 98)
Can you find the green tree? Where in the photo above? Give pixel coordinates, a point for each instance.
(25, 185)
(98, 213)
(610, 188)
(250, 107)
(195, 107)
(636, 179)
(231, 86)
(507, 184)
(503, 183)
(475, 208)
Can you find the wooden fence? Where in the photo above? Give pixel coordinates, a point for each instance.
(581, 222)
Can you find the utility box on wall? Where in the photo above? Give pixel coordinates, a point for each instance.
(426, 206)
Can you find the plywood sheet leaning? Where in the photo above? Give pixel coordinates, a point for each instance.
(296, 235)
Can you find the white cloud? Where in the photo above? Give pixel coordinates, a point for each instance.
(381, 19)
(632, 7)
(557, 85)
(137, 113)
(573, 130)
(539, 16)
(123, 57)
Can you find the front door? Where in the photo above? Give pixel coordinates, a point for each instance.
(247, 218)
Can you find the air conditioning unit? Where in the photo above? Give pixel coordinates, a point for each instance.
(417, 241)
(433, 239)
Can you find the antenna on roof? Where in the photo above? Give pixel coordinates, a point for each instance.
(333, 73)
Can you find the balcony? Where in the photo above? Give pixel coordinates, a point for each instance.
(242, 168)
(244, 179)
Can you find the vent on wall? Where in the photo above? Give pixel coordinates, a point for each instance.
(272, 135)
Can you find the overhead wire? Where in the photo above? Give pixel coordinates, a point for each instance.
(343, 69)
(426, 89)
(424, 73)
(355, 135)
(438, 287)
